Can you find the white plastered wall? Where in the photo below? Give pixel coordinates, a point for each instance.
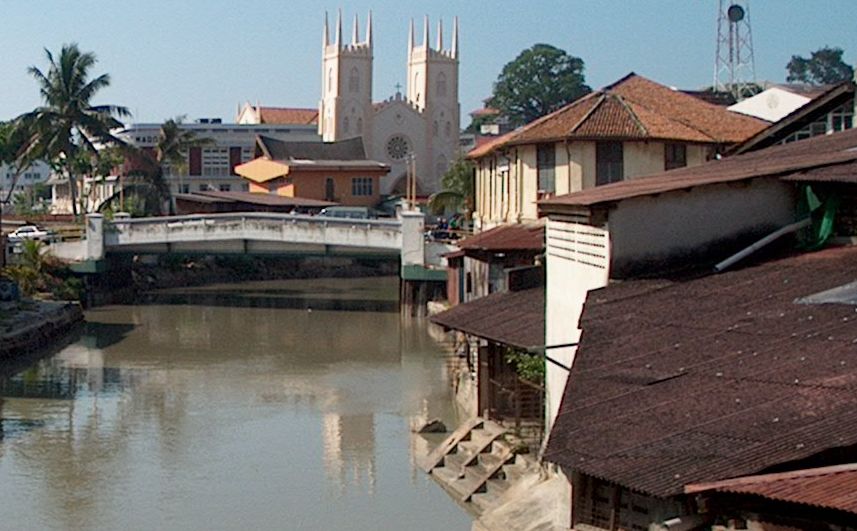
(577, 261)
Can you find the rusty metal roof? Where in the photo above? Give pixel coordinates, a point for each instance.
(515, 318)
(679, 382)
(831, 487)
(515, 237)
(818, 152)
(840, 173)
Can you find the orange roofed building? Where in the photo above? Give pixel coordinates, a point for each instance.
(327, 171)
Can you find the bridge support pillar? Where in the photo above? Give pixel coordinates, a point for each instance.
(94, 237)
(413, 231)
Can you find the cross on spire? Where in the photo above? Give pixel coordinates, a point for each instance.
(398, 88)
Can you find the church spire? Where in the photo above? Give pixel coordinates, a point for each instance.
(411, 37)
(369, 29)
(339, 29)
(454, 47)
(440, 35)
(355, 34)
(326, 33)
(426, 32)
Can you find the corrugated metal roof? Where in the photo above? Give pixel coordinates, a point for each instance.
(515, 318)
(256, 199)
(516, 237)
(287, 115)
(832, 487)
(679, 382)
(811, 154)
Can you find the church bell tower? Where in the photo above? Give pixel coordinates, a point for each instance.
(345, 109)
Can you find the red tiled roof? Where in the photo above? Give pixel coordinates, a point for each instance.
(515, 318)
(287, 115)
(723, 376)
(487, 144)
(517, 237)
(831, 487)
(813, 153)
(636, 108)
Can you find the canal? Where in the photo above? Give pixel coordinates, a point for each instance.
(262, 405)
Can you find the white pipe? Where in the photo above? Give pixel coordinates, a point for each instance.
(740, 255)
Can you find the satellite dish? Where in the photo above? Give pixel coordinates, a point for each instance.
(735, 13)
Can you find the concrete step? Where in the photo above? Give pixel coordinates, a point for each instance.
(462, 433)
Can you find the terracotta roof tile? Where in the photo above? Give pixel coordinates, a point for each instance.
(288, 115)
(635, 108)
(517, 237)
(681, 382)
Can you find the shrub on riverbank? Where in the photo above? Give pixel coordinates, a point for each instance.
(40, 274)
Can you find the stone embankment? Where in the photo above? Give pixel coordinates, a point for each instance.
(29, 325)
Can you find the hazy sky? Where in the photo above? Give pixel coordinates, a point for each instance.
(202, 57)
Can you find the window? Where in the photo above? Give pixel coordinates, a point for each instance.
(329, 189)
(184, 188)
(447, 129)
(609, 163)
(330, 79)
(398, 147)
(354, 80)
(345, 125)
(361, 186)
(440, 87)
(546, 168)
(360, 126)
(215, 162)
(225, 188)
(675, 156)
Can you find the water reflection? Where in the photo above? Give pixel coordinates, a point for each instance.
(197, 416)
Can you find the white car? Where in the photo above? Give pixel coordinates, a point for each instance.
(29, 232)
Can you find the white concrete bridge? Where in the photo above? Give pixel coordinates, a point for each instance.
(254, 233)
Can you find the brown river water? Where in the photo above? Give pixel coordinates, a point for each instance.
(262, 405)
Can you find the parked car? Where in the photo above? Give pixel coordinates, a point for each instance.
(29, 232)
(349, 212)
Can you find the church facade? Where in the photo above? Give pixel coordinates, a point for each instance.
(421, 125)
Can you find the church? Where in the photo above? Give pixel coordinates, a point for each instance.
(421, 125)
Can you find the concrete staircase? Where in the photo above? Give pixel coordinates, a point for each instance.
(476, 465)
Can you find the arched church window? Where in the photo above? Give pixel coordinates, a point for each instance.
(330, 79)
(398, 147)
(354, 80)
(434, 129)
(345, 124)
(447, 129)
(417, 86)
(360, 125)
(440, 86)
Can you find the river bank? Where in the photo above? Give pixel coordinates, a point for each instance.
(28, 325)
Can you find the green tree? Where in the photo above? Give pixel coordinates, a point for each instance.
(539, 81)
(169, 155)
(824, 66)
(458, 189)
(68, 122)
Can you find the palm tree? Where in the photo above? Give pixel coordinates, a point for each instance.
(458, 192)
(68, 122)
(170, 155)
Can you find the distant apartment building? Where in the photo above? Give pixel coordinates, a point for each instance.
(211, 167)
(38, 173)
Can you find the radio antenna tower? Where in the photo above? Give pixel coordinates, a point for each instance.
(734, 68)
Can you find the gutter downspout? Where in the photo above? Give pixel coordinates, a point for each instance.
(740, 255)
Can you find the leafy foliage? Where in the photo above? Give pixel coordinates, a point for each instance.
(530, 367)
(458, 189)
(67, 122)
(40, 272)
(824, 66)
(540, 80)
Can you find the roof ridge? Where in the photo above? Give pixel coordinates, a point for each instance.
(775, 476)
(587, 114)
(633, 114)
